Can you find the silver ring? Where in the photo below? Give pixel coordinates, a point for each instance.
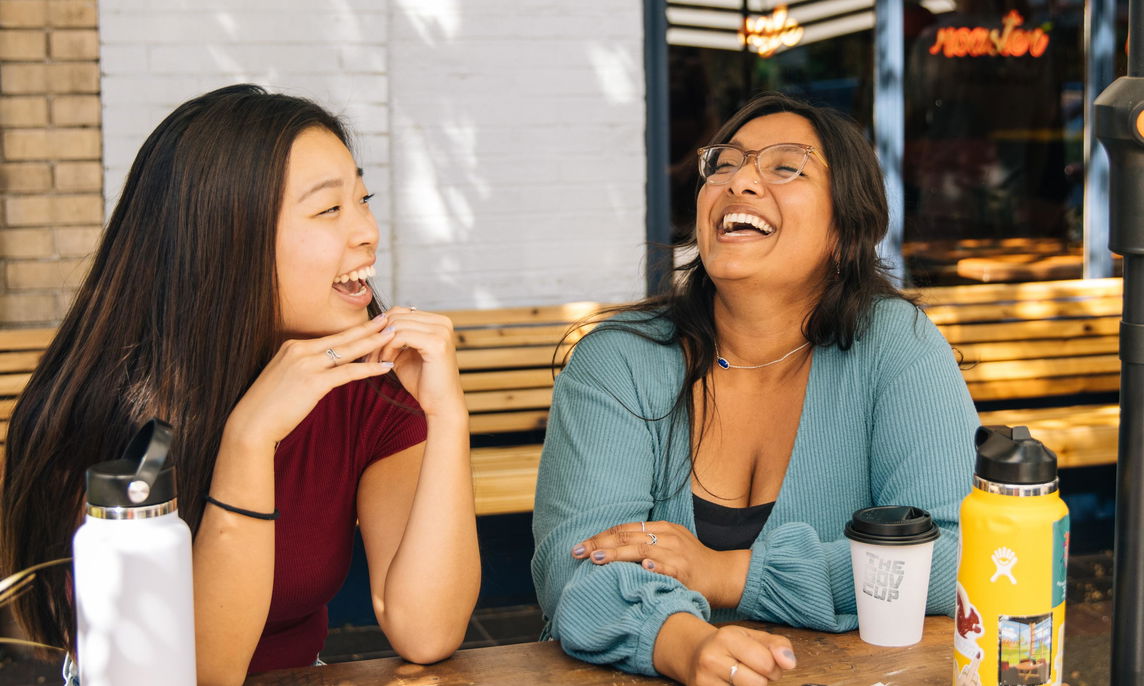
(731, 676)
(653, 537)
(642, 527)
(333, 355)
(412, 308)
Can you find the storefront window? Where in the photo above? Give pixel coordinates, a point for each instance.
(994, 161)
(993, 93)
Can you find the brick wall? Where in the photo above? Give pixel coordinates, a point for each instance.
(50, 141)
(515, 128)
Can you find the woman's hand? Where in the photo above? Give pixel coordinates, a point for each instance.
(696, 653)
(740, 656)
(420, 344)
(670, 549)
(300, 374)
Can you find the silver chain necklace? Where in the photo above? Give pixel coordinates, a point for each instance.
(722, 361)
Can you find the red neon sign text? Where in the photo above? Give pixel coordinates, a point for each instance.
(1008, 41)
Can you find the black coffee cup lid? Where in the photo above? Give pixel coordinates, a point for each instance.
(892, 525)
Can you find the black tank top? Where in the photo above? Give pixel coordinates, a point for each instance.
(729, 528)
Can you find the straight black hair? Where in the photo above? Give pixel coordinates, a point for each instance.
(177, 317)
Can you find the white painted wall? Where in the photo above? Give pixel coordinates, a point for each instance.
(504, 138)
(518, 140)
(156, 55)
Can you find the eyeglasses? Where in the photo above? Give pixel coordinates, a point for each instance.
(779, 163)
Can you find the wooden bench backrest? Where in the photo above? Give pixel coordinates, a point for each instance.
(1031, 340)
(1017, 341)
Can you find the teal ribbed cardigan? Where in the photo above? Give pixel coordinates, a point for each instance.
(888, 422)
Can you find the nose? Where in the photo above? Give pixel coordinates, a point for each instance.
(364, 231)
(746, 180)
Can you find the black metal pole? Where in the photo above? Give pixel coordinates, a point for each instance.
(657, 142)
(1120, 128)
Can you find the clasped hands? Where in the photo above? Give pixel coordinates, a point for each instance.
(710, 655)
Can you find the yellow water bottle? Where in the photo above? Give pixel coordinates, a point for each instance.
(1010, 619)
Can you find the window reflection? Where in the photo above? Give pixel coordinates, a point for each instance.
(993, 164)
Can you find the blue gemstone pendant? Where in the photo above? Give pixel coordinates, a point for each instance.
(723, 363)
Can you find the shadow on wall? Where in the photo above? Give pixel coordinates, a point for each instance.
(515, 130)
(156, 56)
(518, 140)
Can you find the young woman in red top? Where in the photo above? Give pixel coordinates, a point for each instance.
(229, 297)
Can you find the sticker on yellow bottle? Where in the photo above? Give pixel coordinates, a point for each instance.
(1025, 649)
(1060, 559)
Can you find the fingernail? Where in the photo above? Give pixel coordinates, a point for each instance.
(648, 564)
(579, 550)
(387, 365)
(379, 317)
(598, 556)
(388, 329)
(789, 654)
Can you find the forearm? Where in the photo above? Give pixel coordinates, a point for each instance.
(234, 562)
(433, 580)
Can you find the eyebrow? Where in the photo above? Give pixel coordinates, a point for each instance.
(328, 183)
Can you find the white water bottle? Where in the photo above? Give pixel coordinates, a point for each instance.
(134, 603)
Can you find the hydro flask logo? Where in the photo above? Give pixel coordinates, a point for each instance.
(883, 577)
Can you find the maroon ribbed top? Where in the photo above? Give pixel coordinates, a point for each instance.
(316, 472)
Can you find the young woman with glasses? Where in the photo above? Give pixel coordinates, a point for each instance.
(229, 296)
(706, 448)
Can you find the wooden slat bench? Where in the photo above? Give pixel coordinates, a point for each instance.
(506, 360)
(1047, 351)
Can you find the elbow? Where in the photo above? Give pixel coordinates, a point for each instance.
(427, 653)
(219, 677)
(427, 647)
(423, 642)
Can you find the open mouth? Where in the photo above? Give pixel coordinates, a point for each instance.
(354, 283)
(742, 223)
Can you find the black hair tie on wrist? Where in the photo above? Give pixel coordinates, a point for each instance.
(245, 513)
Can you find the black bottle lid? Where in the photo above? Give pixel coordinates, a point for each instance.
(143, 476)
(1012, 456)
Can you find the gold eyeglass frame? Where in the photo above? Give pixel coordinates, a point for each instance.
(808, 150)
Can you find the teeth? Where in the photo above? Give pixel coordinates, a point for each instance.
(729, 221)
(356, 275)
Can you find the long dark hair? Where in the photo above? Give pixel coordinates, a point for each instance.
(176, 319)
(856, 280)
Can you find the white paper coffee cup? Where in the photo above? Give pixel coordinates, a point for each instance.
(891, 549)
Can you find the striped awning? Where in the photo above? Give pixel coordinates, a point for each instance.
(768, 27)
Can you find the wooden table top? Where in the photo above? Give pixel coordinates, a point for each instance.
(824, 659)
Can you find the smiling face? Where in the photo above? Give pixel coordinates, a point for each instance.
(768, 235)
(326, 238)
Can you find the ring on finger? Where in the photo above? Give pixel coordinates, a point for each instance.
(642, 527)
(652, 538)
(333, 355)
(732, 673)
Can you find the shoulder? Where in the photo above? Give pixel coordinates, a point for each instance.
(635, 356)
(897, 334)
(629, 338)
(896, 324)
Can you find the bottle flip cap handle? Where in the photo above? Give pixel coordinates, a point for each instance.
(150, 446)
